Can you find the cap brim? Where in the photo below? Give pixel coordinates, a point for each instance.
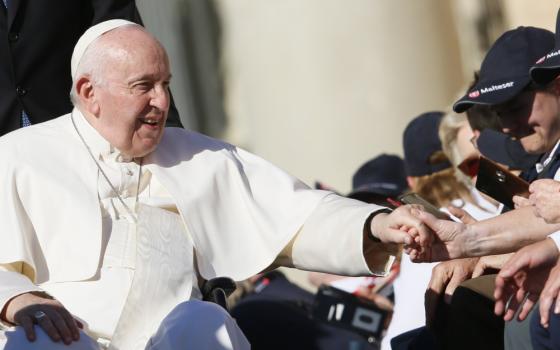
(480, 94)
(503, 149)
(545, 72)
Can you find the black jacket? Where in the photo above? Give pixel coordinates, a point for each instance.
(37, 38)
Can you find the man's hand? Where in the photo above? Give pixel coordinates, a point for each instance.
(32, 308)
(490, 262)
(450, 239)
(523, 277)
(550, 294)
(446, 277)
(545, 198)
(401, 226)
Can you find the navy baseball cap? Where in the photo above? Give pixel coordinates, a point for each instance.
(422, 147)
(383, 175)
(504, 72)
(547, 68)
(504, 149)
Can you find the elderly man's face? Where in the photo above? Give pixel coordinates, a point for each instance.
(533, 117)
(133, 96)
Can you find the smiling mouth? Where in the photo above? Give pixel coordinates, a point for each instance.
(150, 121)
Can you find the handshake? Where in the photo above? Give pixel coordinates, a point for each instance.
(425, 237)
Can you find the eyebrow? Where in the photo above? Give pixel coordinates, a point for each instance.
(145, 77)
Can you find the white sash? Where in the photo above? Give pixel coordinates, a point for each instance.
(163, 277)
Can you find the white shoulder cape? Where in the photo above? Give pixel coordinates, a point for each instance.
(240, 210)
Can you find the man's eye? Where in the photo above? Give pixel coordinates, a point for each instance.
(141, 88)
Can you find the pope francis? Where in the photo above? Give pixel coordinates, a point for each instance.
(110, 221)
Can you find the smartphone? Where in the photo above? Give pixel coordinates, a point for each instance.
(415, 198)
(499, 183)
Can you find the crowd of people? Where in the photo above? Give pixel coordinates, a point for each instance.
(117, 231)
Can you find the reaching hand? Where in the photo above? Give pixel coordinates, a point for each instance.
(523, 277)
(32, 308)
(446, 277)
(490, 262)
(550, 294)
(401, 226)
(545, 198)
(449, 241)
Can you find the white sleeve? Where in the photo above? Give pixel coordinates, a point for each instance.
(13, 283)
(331, 240)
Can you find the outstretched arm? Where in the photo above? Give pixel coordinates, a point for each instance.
(504, 233)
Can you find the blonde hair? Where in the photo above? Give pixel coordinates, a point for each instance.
(449, 128)
(441, 187)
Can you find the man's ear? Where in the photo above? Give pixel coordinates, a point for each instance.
(85, 92)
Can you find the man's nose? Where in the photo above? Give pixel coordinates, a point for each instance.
(160, 98)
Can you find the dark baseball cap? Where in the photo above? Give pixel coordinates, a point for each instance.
(383, 175)
(422, 147)
(504, 149)
(547, 68)
(504, 72)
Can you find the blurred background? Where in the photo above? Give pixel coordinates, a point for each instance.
(320, 86)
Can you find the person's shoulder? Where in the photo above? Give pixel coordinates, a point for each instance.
(180, 138)
(37, 137)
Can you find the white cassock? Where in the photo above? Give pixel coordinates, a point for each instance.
(64, 231)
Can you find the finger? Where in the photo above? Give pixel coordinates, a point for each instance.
(506, 300)
(398, 236)
(413, 222)
(520, 202)
(544, 309)
(461, 214)
(415, 256)
(454, 282)
(528, 305)
(46, 324)
(26, 323)
(60, 323)
(428, 219)
(479, 269)
(433, 293)
(514, 304)
(72, 324)
(499, 296)
(516, 263)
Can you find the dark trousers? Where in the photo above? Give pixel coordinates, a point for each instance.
(278, 317)
(545, 338)
(469, 321)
